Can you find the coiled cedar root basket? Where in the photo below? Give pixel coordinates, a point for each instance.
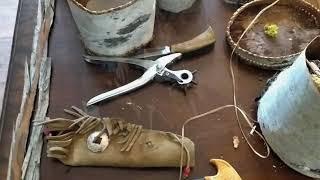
(298, 22)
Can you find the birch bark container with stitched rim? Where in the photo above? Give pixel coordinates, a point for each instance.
(114, 31)
(175, 6)
(289, 115)
(298, 22)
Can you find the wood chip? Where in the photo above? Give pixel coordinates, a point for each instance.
(236, 142)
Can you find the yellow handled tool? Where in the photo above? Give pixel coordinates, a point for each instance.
(225, 171)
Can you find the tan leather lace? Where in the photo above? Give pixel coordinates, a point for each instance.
(129, 132)
(68, 128)
(85, 123)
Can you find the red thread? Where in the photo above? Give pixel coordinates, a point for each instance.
(186, 172)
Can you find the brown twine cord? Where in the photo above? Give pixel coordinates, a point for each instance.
(212, 112)
(186, 149)
(236, 108)
(234, 84)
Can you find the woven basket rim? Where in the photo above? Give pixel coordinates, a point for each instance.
(232, 43)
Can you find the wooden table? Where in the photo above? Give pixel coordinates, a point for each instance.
(157, 106)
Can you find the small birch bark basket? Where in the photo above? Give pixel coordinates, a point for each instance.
(289, 115)
(115, 31)
(298, 22)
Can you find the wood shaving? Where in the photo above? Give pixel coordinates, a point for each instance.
(236, 142)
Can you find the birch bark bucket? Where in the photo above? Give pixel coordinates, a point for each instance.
(289, 115)
(114, 29)
(175, 6)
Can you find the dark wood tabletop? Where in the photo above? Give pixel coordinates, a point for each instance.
(158, 106)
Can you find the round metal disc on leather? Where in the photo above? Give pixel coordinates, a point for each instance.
(101, 143)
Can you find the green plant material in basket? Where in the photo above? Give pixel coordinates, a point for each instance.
(271, 30)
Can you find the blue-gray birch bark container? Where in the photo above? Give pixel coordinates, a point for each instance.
(175, 6)
(289, 115)
(116, 31)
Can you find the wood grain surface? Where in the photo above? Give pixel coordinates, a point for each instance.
(157, 106)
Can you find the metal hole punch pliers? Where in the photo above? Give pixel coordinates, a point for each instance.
(153, 69)
(183, 78)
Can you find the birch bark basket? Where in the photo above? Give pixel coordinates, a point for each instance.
(175, 6)
(289, 115)
(116, 31)
(298, 22)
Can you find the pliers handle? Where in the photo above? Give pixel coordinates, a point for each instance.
(153, 68)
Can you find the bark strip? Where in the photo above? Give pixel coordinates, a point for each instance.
(21, 130)
(31, 168)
